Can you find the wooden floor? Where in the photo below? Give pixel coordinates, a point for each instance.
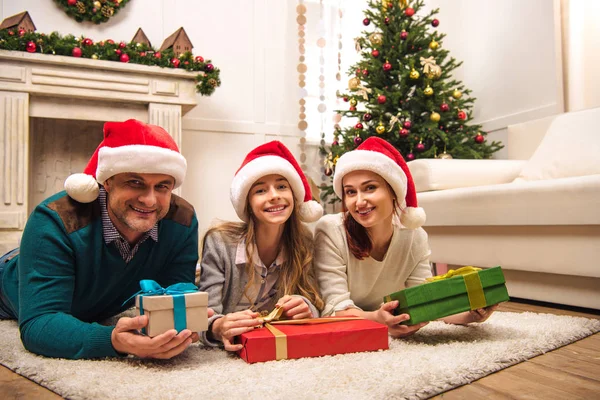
(571, 372)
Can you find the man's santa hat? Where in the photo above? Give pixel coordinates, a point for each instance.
(377, 155)
(267, 159)
(130, 146)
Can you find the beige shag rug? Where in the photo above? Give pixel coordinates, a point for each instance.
(438, 358)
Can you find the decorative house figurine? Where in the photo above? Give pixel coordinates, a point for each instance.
(19, 21)
(140, 37)
(179, 41)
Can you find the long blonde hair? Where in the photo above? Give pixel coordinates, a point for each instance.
(296, 275)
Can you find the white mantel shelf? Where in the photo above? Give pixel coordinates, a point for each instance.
(61, 87)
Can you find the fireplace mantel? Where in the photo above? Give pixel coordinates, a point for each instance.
(60, 87)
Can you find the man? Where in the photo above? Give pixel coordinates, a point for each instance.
(84, 251)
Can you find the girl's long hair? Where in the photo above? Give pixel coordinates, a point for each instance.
(359, 241)
(296, 275)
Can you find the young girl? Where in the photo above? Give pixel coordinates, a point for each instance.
(251, 267)
(375, 246)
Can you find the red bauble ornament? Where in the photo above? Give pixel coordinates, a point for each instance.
(375, 53)
(118, 51)
(387, 66)
(122, 45)
(209, 67)
(367, 117)
(407, 124)
(143, 54)
(328, 171)
(345, 98)
(435, 23)
(403, 132)
(199, 59)
(403, 35)
(462, 115)
(409, 12)
(365, 72)
(387, 20)
(11, 33)
(76, 52)
(175, 62)
(87, 42)
(420, 147)
(71, 2)
(31, 47)
(110, 41)
(124, 58)
(186, 63)
(444, 107)
(357, 140)
(352, 108)
(335, 143)
(381, 99)
(157, 54)
(479, 138)
(358, 72)
(22, 32)
(366, 21)
(410, 156)
(358, 126)
(390, 5)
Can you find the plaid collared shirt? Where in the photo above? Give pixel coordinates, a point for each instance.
(111, 234)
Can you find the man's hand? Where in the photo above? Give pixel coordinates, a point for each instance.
(126, 339)
(232, 325)
(294, 307)
(384, 315)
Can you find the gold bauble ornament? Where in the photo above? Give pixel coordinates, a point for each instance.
(444, 156)
(457, 94)
(335, 160)
(435, 117)
(97, 5)
(428, 91)
(94, 56)
(353, 83)
(353, 102)
(380, 128)
(434, 45)
(376, 39)
(414, 74)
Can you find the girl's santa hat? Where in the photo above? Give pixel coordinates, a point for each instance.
(377, 155)
(130, 146)
(267, 159)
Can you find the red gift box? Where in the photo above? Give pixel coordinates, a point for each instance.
(312, 339)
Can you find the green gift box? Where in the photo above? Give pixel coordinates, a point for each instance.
(465, 289)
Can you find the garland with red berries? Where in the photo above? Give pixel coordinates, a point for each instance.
(207, 79)
(96, 11)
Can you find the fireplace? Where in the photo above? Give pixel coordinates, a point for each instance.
(52, 109)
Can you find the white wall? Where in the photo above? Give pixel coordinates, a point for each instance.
(509, 49)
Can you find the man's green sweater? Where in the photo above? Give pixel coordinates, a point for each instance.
(66, 278)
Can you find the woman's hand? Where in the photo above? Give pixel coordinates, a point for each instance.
(294, 307)
(234, 324)
(479, 315)
(384, 315)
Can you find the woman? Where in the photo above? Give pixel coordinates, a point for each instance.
(264, 262)
(375, 246)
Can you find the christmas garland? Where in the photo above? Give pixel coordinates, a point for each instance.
(96, 11)
(207, 79)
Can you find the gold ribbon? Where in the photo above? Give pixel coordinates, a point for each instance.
(430, 66)
(281, 338)
(472, 283)
(364, 92)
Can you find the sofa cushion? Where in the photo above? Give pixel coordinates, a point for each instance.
(570, 148)
(564, 201)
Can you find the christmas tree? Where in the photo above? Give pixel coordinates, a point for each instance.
(402, 90)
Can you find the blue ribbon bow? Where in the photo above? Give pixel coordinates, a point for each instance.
(178, 291)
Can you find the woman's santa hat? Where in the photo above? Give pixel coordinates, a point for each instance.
(130, 146)
(267, 159)
(377, 155)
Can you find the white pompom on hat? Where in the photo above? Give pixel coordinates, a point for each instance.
(378, 156)
(267, 159)
(130, 146)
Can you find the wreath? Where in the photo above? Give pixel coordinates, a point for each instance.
(96, 11)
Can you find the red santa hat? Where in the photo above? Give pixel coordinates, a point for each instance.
(267, 159)
(377, 155)
(130, 146)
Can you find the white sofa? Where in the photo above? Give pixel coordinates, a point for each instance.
(536, 214)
